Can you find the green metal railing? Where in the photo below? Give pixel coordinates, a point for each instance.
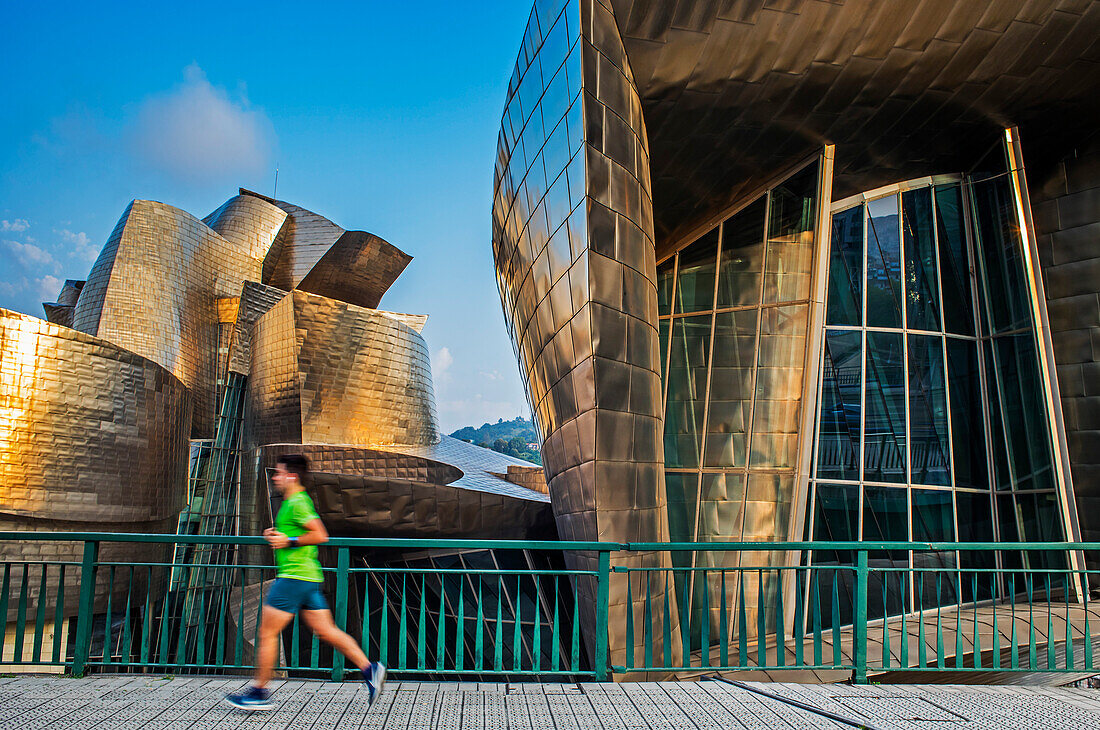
(690, 608)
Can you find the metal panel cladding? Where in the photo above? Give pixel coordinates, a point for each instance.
(153, 291)
(88, 431)
(573, 246)
(328, 372)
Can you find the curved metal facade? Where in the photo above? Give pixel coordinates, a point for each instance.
(326, 372)
(89, 432)
(156, 248)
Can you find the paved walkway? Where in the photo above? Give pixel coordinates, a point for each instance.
(193, 703)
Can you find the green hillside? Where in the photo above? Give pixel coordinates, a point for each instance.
(507, 437)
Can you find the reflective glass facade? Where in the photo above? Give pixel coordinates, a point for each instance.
(931, 423)
(733, 310)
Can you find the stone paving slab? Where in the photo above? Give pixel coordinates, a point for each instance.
(194, 703)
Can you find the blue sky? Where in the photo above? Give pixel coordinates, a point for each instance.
(381, 116)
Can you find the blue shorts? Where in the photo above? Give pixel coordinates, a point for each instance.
(291, 594)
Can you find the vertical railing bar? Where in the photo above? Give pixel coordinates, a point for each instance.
(40, 616)
(1088, 632)
(84, 613)
(314, 651)
(219, 651)
(555, 635)
(941, 659)
(422, 627)
(704, 623)
(181, 636)
(837, 658)
(58, 617)
(724, 624)
(1032, 654)
(922, 654)
(575, 654)
(441, 624)
(1014, 640)
(1050, 624)
(108, 650)
(403, 626)
(295, 641)
(238, 638)
(816, 608)
(536, 636)
(685, 619)
(384, 622)
(780, 634)
(1070, 663)
(124, 650)
(200, 643)
(364, 629)
(859, 650)
(996, 632)
(904, 649)
(666, 639)
(647, 619)
(629, 622)
(343, 565)
(460, 632)
(498, 628)
(959, 650)
(761, 622)
(21, 615)
(742, 621)
(164, 648)
(977, 633)
(479, 639)
(4, 604)
(886, 621)
(799, 611)
(517, 632)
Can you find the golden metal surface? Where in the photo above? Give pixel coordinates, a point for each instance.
(357, 269)
(327, 372)
(573, 246)
(88, 431)
(153, 291)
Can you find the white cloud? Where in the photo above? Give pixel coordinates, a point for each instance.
(48, 287)
(29, 255)
(197, 131)
(16, 226)
(80, 245)
(442, 361)
(493, 375)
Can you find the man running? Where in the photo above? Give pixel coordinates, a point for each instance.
(297, 533)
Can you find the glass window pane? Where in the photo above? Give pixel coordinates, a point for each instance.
(1001, 252)
(721, 511)
(883, 263)
(975, 525)
(742, 257)
(731, 388)
(838, 433)
(1002, 477)
(687, 382)
(886, 519)
(933, 521)
(967, 424)
(1024, 413)
(695, 282)
(682, 492)
(929, 456)
(836, 518)
(922, 295)
(1041, 519)
(662, 333)
(958, 307)
(775, 421)
(791, 222)
(884, 425)
(665, 272)
(845, 303)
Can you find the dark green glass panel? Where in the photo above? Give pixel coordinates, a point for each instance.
(731, 388)
(665, 274)
(687, 382)
(883, 263)
(838, 432)
(1024, 413)
(1008, 527)
(791, 223)
(967, 424)
(958, 305)
(885, 518)
(975, 513)
(1002, 477)
(933, 518)
(930, 453)
(1001, 252)
(1041, 519)
(845, 302)
(742, 257)
(836, 518)
(695, 281)
(884, 423)
(922, 298)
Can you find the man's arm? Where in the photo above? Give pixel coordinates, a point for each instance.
(315, 534)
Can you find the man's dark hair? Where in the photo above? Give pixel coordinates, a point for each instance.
(295, 464)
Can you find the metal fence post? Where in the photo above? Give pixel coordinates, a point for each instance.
(859, 621)
(602, 581)
(88, 570)
(343, 559)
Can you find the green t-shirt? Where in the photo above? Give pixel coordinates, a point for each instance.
(300, 562)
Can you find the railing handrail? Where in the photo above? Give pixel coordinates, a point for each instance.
(591, 546)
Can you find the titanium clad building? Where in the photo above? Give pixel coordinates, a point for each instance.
(807, 269)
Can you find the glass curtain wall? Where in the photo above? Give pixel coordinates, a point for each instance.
(930, 422)
(733, 321)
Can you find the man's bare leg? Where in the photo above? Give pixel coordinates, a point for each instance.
(272, 623)
(321, 623)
